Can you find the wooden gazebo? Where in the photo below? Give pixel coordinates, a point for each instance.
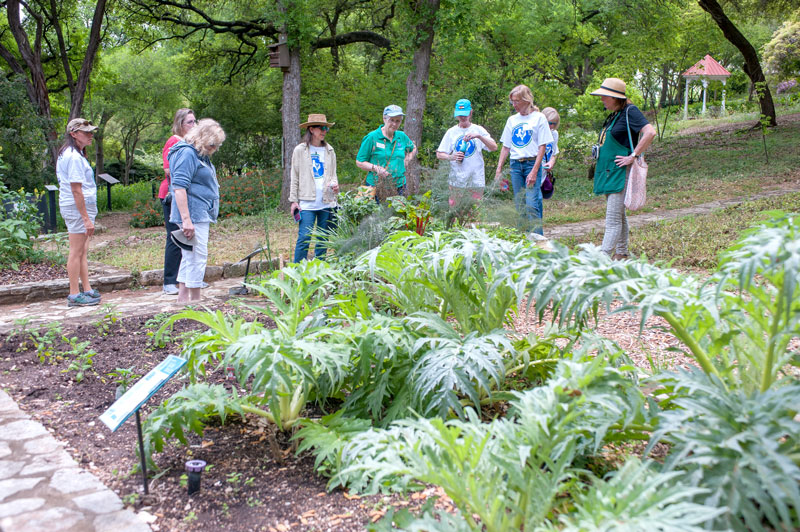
(706, 69)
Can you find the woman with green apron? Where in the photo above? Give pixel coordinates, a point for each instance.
(615, 156)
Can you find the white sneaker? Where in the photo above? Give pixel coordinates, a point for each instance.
(171, 290)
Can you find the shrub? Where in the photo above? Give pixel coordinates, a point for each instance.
(18, 226)
(124, 198)
(248, 192)
(147, 213)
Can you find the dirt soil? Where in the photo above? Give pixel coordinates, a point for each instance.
(29, 272)
(256, 482)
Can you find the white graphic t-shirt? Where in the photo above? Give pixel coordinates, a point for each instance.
(552, 147)
(469, 173)
(524, 134)
(318, 169)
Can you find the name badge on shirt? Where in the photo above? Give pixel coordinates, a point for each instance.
(380, 145)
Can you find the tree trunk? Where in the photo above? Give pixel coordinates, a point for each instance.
(417, 83)
(290, 113)
(99, 135)
(88, 60)
(752, 66)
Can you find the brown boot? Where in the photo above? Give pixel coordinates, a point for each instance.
(620, 256)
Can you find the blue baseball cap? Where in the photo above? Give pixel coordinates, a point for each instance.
(393, 110)
(463, 107)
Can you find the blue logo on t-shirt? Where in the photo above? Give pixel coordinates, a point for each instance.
(468, 147)
(521, 137)
(548, 152)
(317, 166)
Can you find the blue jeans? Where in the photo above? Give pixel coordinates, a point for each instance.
(528, 200)
(307, 220)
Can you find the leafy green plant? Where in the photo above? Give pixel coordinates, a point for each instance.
(741, 447)
(108, 316)
(82, 358)
(638, 498)
(415, 211)
(22, 332)
(147, 213)
(45, 340)
(737, 325)
(499, 474)
(124, 377)
(158, 336)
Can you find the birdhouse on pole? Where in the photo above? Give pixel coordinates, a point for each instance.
(279, 56)
(706, 69)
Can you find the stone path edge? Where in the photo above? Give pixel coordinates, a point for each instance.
(107, 278)
(42, 489)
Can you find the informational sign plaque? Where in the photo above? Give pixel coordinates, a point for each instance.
(140, 392)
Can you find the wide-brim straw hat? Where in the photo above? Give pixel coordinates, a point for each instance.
(317, 120)
(613, 87)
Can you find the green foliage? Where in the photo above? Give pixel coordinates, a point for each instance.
(21, 139)
(126, 198)
(45, 340)
(507, 472)
(248, 192)
(147, 213)
(414, 211)
(124, 377)
(638, 498)
(462, 277)
(108, 316)
(740, 447)
(82, 358)
(17, 228)
(782, 53)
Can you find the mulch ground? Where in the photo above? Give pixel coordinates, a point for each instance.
(257, 482)
(29, 272)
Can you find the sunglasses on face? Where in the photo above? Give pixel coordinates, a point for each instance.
(552, 123)
(322, 128)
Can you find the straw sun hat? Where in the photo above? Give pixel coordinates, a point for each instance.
(316, 120)
(613, 87)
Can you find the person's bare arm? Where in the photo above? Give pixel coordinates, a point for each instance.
(80, 204)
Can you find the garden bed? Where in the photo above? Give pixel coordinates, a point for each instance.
(256, 482)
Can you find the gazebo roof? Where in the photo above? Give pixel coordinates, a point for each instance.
(708, 67)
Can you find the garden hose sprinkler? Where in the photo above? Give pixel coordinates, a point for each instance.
(195, 469)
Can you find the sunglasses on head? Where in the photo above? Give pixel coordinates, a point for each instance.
(82, 123)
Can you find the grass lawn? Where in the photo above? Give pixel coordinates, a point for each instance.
(694, 242)
(230, 240)
(689, 170)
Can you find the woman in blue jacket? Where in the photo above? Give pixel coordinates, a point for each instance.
(195, 205)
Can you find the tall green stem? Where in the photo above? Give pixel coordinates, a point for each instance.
(683, 335)
(766, 376)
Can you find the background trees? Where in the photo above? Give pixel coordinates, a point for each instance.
(350, 58)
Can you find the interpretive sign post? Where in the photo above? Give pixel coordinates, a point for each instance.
(137, 396)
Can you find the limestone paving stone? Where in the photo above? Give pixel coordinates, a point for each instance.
(15, 485)
(75, 480)
(43, 463)
(5, 450)
(20, 506)
(122, 521)
(102, 502)
(21, 430)
(41, 446)
(48, 520)
(9, 468)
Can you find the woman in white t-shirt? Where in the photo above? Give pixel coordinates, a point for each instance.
(524, 138)
(77, 201)
(462, 145)
(313, 185)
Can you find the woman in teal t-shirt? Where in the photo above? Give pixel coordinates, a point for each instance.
(386, 152)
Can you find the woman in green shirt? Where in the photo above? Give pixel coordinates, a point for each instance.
(386, 152)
